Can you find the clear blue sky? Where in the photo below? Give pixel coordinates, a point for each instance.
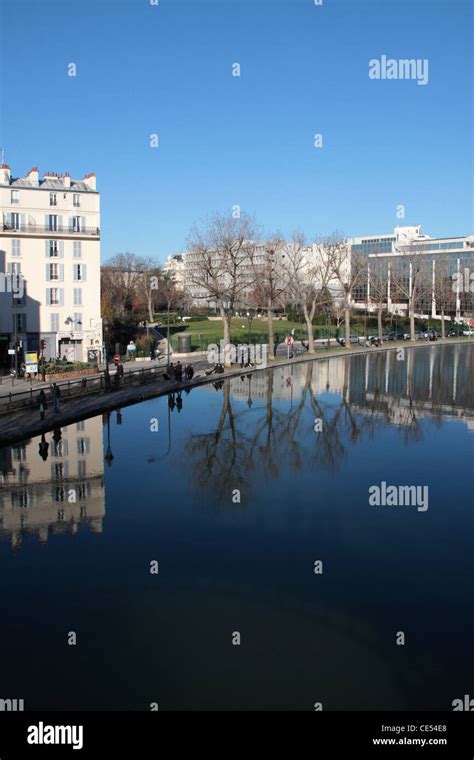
(224, 140)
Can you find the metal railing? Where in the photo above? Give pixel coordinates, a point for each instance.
(61, 229)
(80, 386)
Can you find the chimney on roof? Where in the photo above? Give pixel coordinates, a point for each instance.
(90, 181)
(33, 175)
(66, 180)
(50, 175)
(4, 174)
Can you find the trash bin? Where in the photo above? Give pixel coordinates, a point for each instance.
(184, 343)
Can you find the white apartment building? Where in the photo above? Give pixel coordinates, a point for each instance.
(49, 266)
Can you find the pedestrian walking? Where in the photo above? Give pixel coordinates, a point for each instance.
(179, 372)
(42, 403)
(56, 397)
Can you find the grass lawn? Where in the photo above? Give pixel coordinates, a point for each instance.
(206, 332)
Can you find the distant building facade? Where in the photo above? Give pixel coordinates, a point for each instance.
(49, 265)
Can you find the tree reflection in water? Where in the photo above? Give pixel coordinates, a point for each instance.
(266, 435)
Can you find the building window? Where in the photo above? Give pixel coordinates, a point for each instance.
(15, 220)
(81, 426)
(54, 323)
(15, 196)
(16, 248)
(77, 297)
(53, 272)
(14, 267)
(76, 200)
(53, 199)
(83, 445)
(53, 298)
(53, 222)
(79, 272)
(76, 223)
(77, 249)
(53, 248)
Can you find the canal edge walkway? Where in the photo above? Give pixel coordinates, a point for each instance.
(26, 423)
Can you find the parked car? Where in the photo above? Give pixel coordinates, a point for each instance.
(353, 339)
(396, 336)
(468, 332)
(454, 333)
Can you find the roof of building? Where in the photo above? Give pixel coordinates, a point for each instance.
(51, 184)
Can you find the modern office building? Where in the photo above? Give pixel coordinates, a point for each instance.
(446, 264)
(49, 265)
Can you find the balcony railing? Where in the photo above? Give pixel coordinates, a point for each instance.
(39, 229)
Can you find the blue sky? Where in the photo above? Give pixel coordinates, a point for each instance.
(245, 140)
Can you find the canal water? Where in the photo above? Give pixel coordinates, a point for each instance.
(222, 551)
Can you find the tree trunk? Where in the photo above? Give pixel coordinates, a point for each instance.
(309, 329)
(443, 328)
(412, 323)
(271, 337)
(347, 321)
(226, 324)
(379, 324)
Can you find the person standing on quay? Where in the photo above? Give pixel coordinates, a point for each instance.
(56, 397)
(42, 403)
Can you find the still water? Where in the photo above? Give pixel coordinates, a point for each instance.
(237, 495)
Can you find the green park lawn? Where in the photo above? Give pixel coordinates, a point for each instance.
(206, 332)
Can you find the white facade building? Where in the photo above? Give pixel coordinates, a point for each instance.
(50, 259)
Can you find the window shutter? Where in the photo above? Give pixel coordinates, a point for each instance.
(61, 296)
(71, 224)
(65, 447)
(48, 272)
(22, 221)
(47, 248)
(84, 272)
(61, 249)
(46, 222)
(60, 222)
(74, 272)
(61, 272)
(9, 218)
(48, 297)
(83, 222)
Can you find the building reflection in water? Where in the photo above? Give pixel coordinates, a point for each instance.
(53, 483)
(352, 397)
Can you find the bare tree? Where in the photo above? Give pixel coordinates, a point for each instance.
(307, 277)
(377, 287)
(221, 252)
(348, 269)
(121, 276)
(270, 281)
(411, 280)
(444, 295)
